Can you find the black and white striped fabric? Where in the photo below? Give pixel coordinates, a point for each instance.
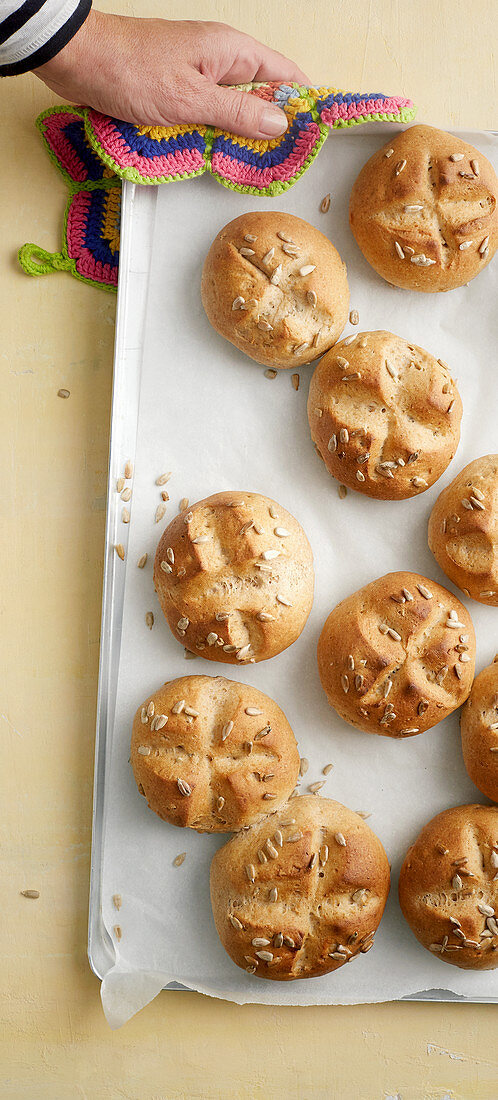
(33, 32)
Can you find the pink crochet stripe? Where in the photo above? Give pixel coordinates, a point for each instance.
(94, 269)
(85, 262)
(348, 111)
(247, 175)
(76, 224)
(57, 141)
(115, 146)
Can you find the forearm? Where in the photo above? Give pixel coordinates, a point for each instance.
(164, 72)
(33, 32)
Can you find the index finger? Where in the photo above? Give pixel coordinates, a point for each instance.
(263, 63)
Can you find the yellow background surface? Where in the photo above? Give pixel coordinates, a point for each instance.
(55, 1043)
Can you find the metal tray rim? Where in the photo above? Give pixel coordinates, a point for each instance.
(99, 946)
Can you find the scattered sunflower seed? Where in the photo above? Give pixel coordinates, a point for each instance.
(30, 893)
(160, 512)
(325, 204)
(63, 393)
(149, 619)
(179, 859)
(270, 373)
(295, 381)
(119, 548)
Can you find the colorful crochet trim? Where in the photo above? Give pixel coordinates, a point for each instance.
(90, 245)
(94, 153)
(155, 154)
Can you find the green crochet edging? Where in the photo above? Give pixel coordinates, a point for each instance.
(36, 260)
(278, 187)
(132, 175)
(88, 185)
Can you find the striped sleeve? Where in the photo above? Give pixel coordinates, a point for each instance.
(34, 31)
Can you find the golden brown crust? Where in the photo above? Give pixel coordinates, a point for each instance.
(234, 577)
(397, 656)
(449, 872)
(479, 726)
(312, 899)
(463, 530)
(384, 414)
(421, 249)
(211, 765)
(288, 315)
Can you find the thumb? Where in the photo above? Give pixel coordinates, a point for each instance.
(240, 113)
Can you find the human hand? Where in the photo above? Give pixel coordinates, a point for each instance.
(163, 72)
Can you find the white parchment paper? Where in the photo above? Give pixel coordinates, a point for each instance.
(208, 414)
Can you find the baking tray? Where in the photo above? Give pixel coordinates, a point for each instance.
(138, 210)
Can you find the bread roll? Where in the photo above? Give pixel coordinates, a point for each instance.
(384, 414)
(397, 656)
(479, 726)
(213, 754)
(424, 212)
(274, 286)
(234, 577)
(463, 530)
(302, 893)
(448, 887)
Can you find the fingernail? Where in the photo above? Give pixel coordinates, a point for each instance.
(273, 122)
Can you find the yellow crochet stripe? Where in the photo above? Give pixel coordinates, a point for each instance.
(157, 133)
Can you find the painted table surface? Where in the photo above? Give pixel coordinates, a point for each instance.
(55, 1044)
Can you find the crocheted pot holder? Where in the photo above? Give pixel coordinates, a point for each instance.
(94, 153)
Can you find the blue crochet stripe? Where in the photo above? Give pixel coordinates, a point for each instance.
(154, 147)
(94, 239)
(271, 157)
(350, 97)
(75, 133)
